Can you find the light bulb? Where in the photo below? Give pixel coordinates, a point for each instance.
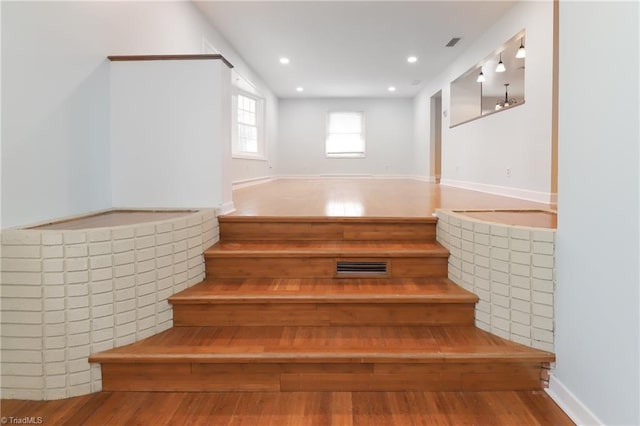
(481, 78)
(521, 53)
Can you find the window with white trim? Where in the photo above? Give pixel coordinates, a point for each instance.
(345, 134)
(248, 126)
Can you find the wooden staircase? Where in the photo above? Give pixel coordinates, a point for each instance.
(324, 304)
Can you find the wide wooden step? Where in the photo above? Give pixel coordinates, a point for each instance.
(321, 301)
(319, 259)
(333, 358)
(268, 228)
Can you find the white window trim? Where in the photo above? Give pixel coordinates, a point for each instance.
(261, 155)
(362, 133)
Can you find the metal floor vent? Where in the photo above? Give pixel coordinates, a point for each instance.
(368, 268)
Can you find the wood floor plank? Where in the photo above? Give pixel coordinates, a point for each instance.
(297, 408)
(380, 198)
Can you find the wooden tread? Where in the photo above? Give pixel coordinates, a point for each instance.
(300, 344)
(327, 219)
(312, 290)
(326, 249)
(339, 358)
(315, 302)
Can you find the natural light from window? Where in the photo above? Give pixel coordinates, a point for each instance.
(345, 135)
(247, 125)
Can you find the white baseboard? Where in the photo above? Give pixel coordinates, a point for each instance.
(428, 179)
(523, 194)
(226, 208)
(250, 182)
(570, 404)
(349, 176)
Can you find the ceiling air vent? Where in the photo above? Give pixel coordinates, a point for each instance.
(453, 41)
(361, 268)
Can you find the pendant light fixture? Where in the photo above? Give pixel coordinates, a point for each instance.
(507, 101)
(501, 67)
(521, 53)
(481, 78)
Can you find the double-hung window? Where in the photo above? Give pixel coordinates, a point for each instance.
(248, 126)
(345, 135)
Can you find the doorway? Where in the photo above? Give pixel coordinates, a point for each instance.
(435, 137)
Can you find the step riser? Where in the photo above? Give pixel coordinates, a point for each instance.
(321, 267)
(323, 314)
(193, 377)
(326, 231)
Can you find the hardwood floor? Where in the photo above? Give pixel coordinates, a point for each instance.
(279, 352)
(507, 408)
(364, 198)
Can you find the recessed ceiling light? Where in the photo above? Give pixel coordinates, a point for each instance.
(299, 89)
(392, 88)
(284, 61)
(412, 59)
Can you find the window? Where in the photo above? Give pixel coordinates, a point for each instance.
(248, 124)
(345, 135)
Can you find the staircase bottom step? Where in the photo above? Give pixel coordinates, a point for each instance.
(437, 358)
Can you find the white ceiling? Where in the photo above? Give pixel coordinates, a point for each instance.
(350, 48)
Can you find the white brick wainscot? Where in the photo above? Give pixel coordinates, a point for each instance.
(67, 294)
(511, 269)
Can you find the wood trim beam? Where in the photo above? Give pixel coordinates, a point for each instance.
(218, 57)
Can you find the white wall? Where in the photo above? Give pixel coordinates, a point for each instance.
(55, 133)
(388, 137)
(169, 124)
(477, 154)
(598, 280)
(247, 169)
(55, 99)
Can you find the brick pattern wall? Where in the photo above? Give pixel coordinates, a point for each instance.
(511, 269)
(67, 294)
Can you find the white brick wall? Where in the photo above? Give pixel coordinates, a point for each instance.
(67, 294)
(511, 269)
